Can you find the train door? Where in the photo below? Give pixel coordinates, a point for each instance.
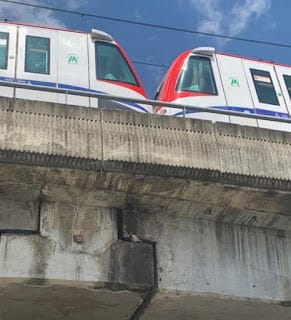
(266, 93)
(8, 36)
(73, 66)
(37, 62)
(236, 88)
(284, 77)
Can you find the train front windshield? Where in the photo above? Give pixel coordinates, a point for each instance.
(197, 76)
(111, 64)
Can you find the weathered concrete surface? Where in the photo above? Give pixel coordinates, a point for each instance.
(182, 306)
(64, 136)
(18, 215)
(210, 203)
(36, 261)
(77, 244)
(198, 256)
(59, 301)
(180, 197)
(61, 273)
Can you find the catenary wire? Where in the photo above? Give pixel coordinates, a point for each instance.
(150, 64)
(151, 25)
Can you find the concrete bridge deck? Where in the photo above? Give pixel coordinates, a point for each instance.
(121, 215)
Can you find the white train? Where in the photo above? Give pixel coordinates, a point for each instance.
(70, 60)
(204, 78)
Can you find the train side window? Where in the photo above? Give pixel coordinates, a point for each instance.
(197, 76)
(287, 80)
(4, 38)
(37, 55)
(264, 86)
(111, 64)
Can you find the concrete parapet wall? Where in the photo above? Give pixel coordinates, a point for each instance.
(148, 144)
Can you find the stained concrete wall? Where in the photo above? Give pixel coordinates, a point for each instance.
(202, 257)
(76, 244)
(69, 246)
(18, 215)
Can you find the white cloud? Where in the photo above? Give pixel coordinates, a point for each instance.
(231, 20)
(137, 14)
(66, 4)
(27, 14)
(74, 4)
(242, 14)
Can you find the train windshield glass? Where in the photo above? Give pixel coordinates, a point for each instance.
(264, 87)
(287, 80)
(3, 50)
(197, 76)
(111, 64)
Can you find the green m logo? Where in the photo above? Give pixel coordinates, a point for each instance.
(234, 82)
(73, 59)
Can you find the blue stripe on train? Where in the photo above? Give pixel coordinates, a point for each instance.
(68, 87)
(240, 109)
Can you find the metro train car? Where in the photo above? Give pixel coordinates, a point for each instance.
(201, 77)
(70, 60)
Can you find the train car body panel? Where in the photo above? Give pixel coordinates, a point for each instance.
(8, 40)
(236, 88)
(241, 84)
(266, 92)
(283, 74)
(67, 60)
(36, 62)
(264, 87)
(73, 66)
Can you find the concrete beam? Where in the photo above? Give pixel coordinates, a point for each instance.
(87, 138)
(159, 195)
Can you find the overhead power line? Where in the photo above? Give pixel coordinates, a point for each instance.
(151, 25)
(151, 64)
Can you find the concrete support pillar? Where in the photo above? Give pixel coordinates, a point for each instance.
(69, 244)
(67, 264)
(76, 243)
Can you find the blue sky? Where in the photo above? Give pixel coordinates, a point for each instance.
(266, 20)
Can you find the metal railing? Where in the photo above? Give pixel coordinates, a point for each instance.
(153, 103)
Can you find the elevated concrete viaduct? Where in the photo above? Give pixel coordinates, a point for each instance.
(121, 215)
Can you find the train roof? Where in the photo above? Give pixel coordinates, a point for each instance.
(210, 51)
(95, 33)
